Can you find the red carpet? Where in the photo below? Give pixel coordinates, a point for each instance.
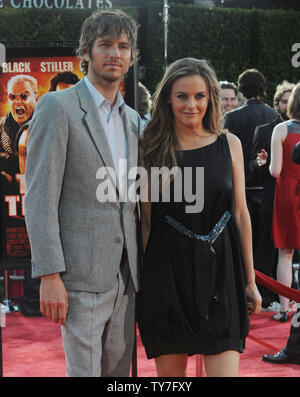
(32, 347)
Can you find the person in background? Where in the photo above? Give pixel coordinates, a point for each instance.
(62, 80)
(242, 123)
(265, 258)
(229, 99)
(22, 93)
(241, 99)
(290, 354)
(197, 272)
(22, 97)
(286, 219)
(144, 104)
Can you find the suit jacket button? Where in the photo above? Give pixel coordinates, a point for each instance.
(118, 240)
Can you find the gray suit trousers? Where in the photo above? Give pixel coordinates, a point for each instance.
(98, 336)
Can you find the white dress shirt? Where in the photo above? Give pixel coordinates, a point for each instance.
(112, 122)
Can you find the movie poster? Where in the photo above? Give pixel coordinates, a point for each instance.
(23, 81)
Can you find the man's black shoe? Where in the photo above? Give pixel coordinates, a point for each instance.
(281, 358)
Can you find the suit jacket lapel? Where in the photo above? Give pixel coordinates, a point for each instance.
(93, 124)
(98, 135)
(131, 131)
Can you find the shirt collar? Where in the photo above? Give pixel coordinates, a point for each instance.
(120, 104)
(100, 100)
(254, 100)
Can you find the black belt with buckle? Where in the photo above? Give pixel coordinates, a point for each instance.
(205, 261)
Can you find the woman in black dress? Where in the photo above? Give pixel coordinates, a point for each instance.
(197, 273)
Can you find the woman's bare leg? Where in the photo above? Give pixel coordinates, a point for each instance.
(284, 273)
(171, 365)
(225, 364)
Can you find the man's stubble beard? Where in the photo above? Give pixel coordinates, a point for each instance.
(106, 78)
(111, 80)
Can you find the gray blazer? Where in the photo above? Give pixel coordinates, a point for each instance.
(70, 231)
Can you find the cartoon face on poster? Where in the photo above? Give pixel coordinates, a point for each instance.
(23, 82)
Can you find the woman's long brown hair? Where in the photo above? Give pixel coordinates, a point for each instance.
(158, 142)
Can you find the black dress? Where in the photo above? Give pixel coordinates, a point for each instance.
(192, 297)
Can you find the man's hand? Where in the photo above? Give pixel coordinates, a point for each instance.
(53, 298)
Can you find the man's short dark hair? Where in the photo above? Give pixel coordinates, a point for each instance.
(252, 83)
(62, 77)
(226, 85)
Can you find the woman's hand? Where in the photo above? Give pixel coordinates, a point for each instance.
(261, 158)
(254, 299)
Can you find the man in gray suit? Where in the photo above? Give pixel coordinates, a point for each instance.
(85, 248)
